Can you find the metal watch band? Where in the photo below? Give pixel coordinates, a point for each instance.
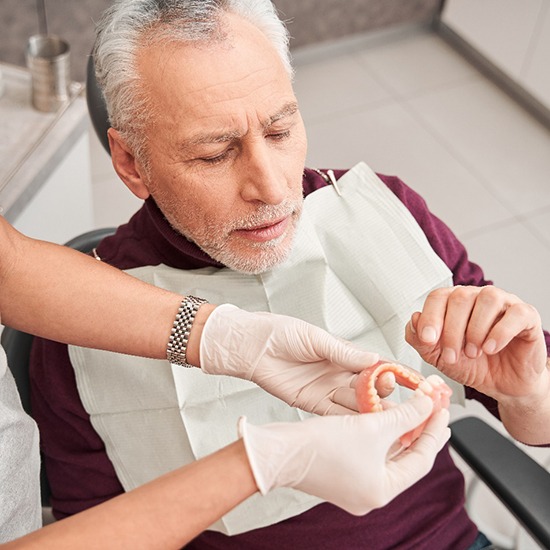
(176, 350)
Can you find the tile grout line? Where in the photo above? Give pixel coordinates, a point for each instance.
(404, 102)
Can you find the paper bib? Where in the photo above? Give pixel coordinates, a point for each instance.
(359, 267)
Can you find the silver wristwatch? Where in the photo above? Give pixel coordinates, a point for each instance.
(176, 350)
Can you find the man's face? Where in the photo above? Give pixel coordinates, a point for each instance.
(226, 146)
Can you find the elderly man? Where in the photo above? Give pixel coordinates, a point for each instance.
(207, 130)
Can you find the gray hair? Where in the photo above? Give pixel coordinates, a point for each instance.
(130, 24)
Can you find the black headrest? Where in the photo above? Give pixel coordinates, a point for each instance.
(96, 105)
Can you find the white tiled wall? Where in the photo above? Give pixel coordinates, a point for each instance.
(514, 35)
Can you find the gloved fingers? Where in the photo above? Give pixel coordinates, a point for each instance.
(437, 431)
(430, 427)
(327, 391)
(400, 419)
(340, 352)
(334, 409)
(350, 357)
(345, 399)
(429, 443)
(409, 466)
(326, 406)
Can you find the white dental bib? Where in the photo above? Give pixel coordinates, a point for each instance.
(360, 265)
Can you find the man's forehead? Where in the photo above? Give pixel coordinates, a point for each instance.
(216, 92)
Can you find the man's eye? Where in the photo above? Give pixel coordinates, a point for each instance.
(216, 159)
(279, 135)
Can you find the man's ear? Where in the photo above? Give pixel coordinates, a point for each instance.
(126, 166)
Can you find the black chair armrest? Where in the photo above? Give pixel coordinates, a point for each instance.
(519, 482)
(17, 345)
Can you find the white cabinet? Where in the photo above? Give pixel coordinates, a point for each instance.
(514, 35)
(62, 207)
(45, 177)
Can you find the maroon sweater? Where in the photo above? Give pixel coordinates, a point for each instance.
(429, 515)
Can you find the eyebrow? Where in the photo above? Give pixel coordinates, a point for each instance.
(287, 110)
(216, 137)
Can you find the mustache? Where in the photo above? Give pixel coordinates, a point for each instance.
(267, 214)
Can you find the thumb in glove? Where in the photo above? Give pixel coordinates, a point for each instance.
(346, 460)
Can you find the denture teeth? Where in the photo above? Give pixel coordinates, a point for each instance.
(425, 386)
(369, 401)
(435, 380)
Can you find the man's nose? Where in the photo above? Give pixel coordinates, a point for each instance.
(262, 177)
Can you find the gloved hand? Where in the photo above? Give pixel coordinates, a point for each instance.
(297, 362)
(347, 460)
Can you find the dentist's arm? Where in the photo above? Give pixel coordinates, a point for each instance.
(171, 511)
(64, 295)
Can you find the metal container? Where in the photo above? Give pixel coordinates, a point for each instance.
(48, 60)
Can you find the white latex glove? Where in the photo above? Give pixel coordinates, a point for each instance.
(346, 460)
(297, 362)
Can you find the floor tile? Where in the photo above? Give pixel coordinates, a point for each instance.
(535, 68)
(495, 138)
(415, 63)
(338, 84)
(539, 223)
(510, 37)
(391, 141)
(515, 260)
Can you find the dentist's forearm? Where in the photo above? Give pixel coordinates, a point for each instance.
(64, 295)
(165, 513)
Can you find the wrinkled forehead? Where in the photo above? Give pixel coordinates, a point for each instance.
(193, 81)
(167, 38)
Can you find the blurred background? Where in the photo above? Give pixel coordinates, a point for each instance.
(453, 97)
(313, 21)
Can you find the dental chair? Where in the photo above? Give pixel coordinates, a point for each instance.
(518, 481)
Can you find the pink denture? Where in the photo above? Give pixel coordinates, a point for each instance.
(368, 399)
